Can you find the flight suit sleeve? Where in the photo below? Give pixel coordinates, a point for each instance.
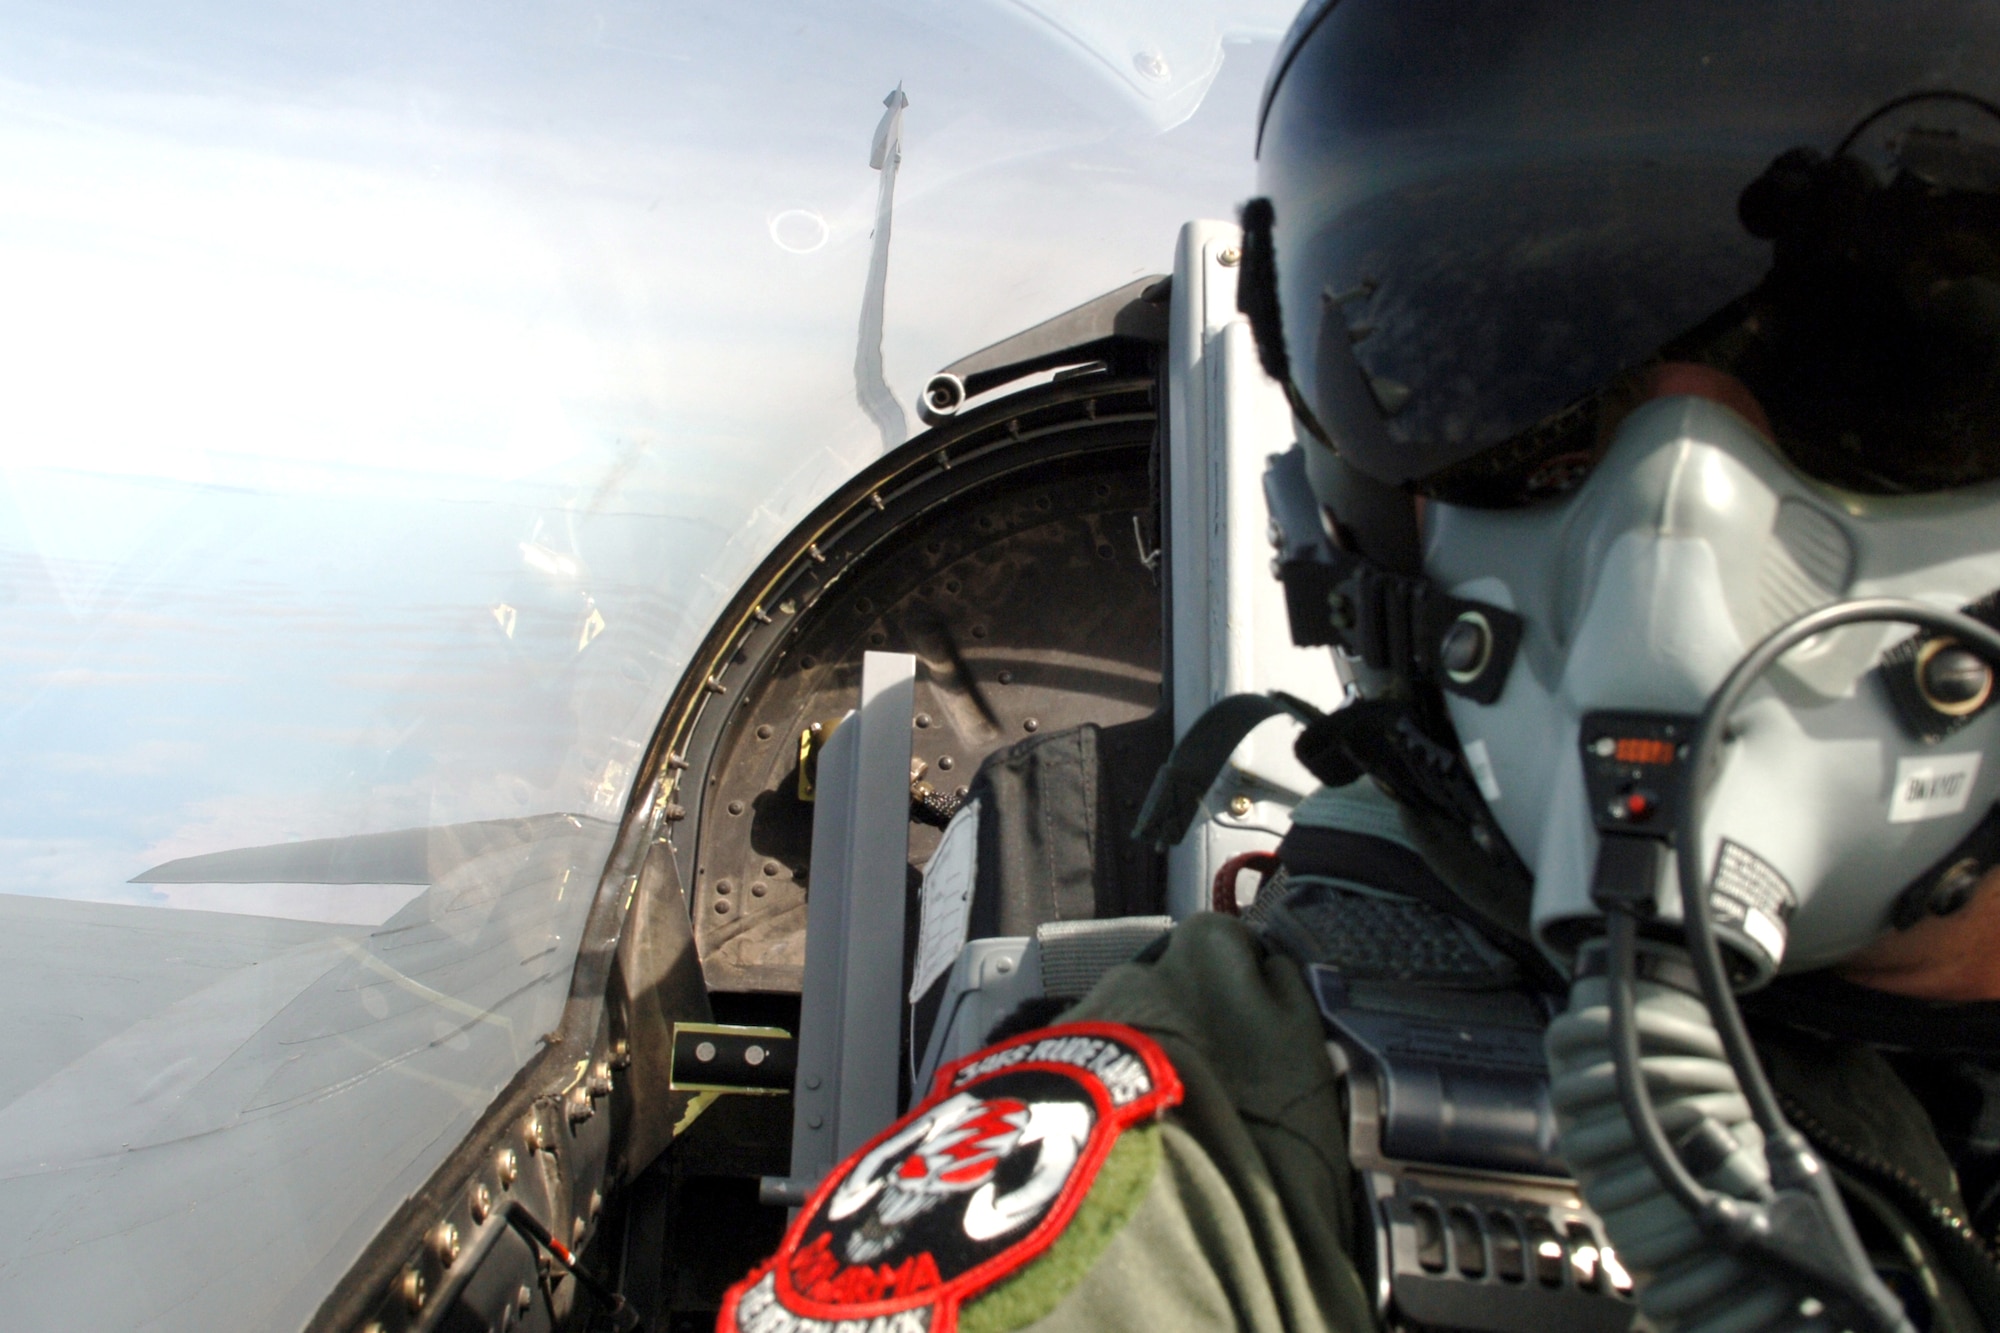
(1235, 1211)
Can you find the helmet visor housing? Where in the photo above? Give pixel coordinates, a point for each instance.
(1490, 216)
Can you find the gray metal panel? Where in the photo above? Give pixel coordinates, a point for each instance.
(1230, 632)
(851, 1015)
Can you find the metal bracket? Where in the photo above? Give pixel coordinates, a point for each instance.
(850, 1024)
(1094, 331)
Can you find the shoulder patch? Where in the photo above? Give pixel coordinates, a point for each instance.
(963, 1191)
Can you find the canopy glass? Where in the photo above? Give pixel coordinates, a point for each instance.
(390, 396)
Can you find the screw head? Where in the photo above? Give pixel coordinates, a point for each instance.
(444, 1243)
(580, 1107)
(1230, 257)
(1239, 806)
(508, 1167)
(621, 1053)
(481, 1202)
(1954, 887)
(411, 1288)
(1952, 679)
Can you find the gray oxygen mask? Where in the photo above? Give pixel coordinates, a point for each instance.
(1690, 541)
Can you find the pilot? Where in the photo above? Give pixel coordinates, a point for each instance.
(1621, 338)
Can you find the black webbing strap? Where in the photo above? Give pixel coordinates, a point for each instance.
(1198, 757)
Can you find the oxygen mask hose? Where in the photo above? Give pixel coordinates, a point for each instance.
(1687, 1283)
(1720, 1208)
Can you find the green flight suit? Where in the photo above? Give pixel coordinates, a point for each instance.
(1237, 1210)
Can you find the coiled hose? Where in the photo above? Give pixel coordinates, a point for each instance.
(1686, 1283)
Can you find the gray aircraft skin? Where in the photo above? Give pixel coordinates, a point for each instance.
(415, 415)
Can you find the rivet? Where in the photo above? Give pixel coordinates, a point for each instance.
(764, 733)
(923, 719)
(724, 887)
(1005, 678)
(1239, 806)
(538, 1133)
(411, 1289)
(599, 1082)
(814, 1122)
(580, 1107)
(753, 1056)
(705, 1052)
(508, 1167)
(736, 807)
(444, 1243)
(757, 890)
(1032, 724)
(621, 1053)
(944, 762)
(482, 1202)
(812, 1082)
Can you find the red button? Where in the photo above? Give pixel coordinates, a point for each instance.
(1637, 806)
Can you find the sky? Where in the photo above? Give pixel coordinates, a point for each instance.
(392, 393)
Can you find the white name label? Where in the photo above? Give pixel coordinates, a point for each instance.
(1932, 786)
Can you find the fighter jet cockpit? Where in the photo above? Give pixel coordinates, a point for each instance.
(870, 666)
(466, 468)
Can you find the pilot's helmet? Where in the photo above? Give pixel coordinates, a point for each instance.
(1684, 319)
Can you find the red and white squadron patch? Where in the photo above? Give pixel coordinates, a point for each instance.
(976, 1181)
